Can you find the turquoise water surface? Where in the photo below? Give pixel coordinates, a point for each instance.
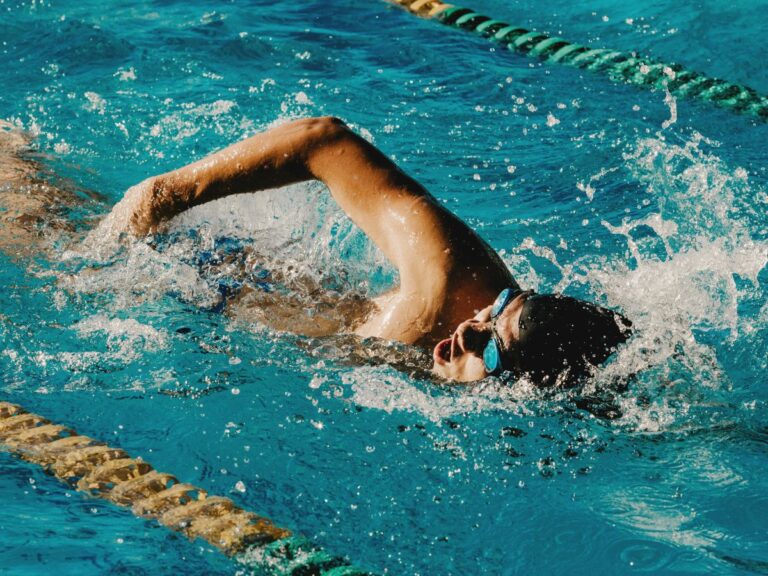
(650, 206)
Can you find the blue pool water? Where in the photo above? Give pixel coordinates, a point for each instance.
(595, 189)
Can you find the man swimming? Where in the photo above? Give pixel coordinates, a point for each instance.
(455, 297)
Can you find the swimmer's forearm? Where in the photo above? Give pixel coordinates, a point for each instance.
(315, 148)
(275, 158)
(246, 166)
(268, 160)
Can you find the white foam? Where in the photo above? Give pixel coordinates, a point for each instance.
(384, 388)
(143, 274)
(297, 229)
(690, 264)
(680, 282)
(96, 103)
(124, 341)
(190, 118)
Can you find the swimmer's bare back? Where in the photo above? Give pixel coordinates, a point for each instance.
(447, 272)
(30, 207)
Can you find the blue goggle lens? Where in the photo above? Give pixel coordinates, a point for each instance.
(491, 356)
(501, 302)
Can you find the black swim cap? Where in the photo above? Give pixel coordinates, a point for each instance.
(561, 338)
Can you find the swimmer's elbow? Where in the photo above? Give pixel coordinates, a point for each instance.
(324, 131)
(327, 125)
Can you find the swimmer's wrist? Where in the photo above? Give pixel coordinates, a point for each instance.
(164, 197)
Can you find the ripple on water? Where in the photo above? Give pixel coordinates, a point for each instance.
(636, 555)
(655, 510)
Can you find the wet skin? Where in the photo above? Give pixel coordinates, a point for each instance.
(31, 209)
(449, 276)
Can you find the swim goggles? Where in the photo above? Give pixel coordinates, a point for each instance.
(492, 353)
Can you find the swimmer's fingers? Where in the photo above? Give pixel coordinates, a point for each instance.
(129, 219)
(134, 213)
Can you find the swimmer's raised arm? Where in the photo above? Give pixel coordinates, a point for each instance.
(424, 240)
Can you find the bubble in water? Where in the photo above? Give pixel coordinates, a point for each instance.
(551, 120)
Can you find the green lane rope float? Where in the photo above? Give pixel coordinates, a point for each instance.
(616, 65)
(110, 473)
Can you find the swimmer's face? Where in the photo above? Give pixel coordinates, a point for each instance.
(460, 357)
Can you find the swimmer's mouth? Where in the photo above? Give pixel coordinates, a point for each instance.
(442, 352)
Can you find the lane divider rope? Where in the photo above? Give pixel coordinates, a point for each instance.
(618, 66)
(109, 473)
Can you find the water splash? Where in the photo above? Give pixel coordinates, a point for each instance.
(691, 264)
(297, 231)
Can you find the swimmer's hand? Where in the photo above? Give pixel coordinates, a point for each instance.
(134, 217)
(149, 204)
(130, 217)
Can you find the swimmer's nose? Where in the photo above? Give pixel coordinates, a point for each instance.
(472, 336)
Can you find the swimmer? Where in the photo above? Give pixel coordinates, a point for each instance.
(456, 296)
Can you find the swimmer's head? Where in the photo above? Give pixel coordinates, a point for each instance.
(548, 338)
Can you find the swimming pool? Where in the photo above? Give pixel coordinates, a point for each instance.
(573, 179)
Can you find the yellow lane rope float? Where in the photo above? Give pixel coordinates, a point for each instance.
(618, 66)
(109, 473)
